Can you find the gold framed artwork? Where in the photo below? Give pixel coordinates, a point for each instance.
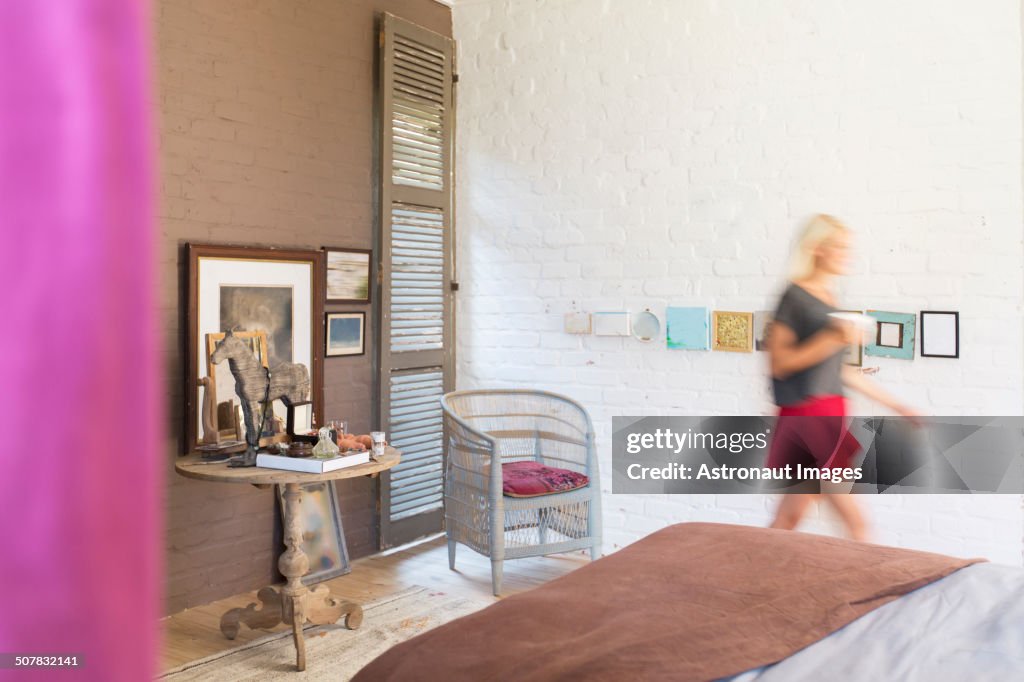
(732, 331)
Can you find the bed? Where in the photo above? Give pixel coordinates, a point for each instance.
(701, 601)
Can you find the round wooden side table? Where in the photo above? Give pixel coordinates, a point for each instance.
(293, 603)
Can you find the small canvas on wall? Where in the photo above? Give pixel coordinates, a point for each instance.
(732, 331)
(611, 324)
(854, 355)
(895, 335)
(577, 323)
(940, 334)
(762, 328)
(686, 328)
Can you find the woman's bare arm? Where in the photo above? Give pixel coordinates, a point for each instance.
(788, 356)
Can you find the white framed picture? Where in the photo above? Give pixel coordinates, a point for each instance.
(611, 324)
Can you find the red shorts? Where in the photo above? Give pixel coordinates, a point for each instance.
(813, 434)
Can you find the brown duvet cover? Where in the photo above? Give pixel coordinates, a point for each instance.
(695, 601)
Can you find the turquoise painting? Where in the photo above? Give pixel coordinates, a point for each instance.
(894, 335)
(687, 328)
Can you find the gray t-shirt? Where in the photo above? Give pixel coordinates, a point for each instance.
(806, 315)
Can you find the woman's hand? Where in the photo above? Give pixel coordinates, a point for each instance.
(849, 333)
(904, 410)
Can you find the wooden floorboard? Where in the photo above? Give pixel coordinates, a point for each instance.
(195, 633)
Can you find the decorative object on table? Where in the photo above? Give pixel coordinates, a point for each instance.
(339, 429)
(258, 387)
(379, 440)
(311, 465)
(854, 355)
(298, 449)
(732, 331)
(348, 275)
(646, 326)
(345, 334)
(209, 413)
(577, 323)
(686, 328)
(222, 383)
(611, 324)
(940, 334)
(325, 448)
(300, 420)
(762, 328)
(275, 291)
(894, 336)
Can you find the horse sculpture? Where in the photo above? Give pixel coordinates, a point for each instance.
(258, 387)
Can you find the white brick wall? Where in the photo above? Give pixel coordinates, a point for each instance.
(626, 155)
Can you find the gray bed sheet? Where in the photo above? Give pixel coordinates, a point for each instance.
(967, 626)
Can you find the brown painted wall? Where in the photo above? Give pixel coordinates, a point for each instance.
(266, 138)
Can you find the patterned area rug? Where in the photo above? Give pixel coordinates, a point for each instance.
(332, 652)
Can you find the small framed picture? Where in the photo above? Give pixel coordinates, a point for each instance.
(940, 334)
(854, 354)
(345, 334)
(348, 275)
(732, 331)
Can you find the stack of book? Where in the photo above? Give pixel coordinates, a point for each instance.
(310, 464)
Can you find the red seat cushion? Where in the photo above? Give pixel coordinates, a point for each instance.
(530, 479)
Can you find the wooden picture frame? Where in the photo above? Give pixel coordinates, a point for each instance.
(214, 267)
(732, 331)
(323, 538)
(338, 268)
(956, 332)
(338, 346)
(905, 327)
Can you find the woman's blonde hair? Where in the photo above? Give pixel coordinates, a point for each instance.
(818, 229)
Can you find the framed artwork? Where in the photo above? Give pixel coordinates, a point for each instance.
(894, 335)
(577, 323)
(646, 326)
(345, 334)
(247, 289)
(854, 355)
(762, 328)
(686, 328)
(348, 275)
(611, 324)
(225, 403)
(732, 331)
(323, 539)
(940, 334)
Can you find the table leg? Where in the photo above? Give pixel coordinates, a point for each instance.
(294, 604)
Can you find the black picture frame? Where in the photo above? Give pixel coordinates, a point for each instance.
(361, 316)
(956, 331)
(328, 250)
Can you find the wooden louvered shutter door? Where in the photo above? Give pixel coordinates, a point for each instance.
(416, 272)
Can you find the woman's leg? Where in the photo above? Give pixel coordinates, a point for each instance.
(791, 510)
(850, 513)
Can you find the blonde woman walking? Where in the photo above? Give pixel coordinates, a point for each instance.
(805, 349)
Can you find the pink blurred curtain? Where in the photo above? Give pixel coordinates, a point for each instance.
(80, 447)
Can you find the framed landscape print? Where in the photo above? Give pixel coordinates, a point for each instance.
(345, 334)
(348, 275)
(244, 289)
(940, 334)
(323, 538)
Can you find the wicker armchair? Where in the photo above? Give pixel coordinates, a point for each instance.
(483, 430)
